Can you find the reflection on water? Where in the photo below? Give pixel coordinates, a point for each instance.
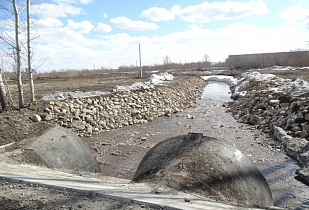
(217, 91)
(287, 191)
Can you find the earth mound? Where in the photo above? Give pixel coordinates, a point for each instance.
(54, 147)
(205, 166)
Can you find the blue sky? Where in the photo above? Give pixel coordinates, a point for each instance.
(75, 34)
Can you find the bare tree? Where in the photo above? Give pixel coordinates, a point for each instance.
(15, 47)
(32, 97)
(18, 52)
(166, 60)
(2, 93)
(206, 58)
(206, 61)
(13, 12)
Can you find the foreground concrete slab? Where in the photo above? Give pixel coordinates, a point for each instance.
(123, 190)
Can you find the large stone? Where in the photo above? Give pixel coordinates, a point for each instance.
(36, 118)
(303, 175)
(205, 166)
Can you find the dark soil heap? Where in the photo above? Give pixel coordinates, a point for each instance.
(206, 166)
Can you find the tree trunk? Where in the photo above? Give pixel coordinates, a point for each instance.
(18, 51)
(2, 93)
(32, 97)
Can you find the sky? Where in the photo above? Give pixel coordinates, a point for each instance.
(83, 34)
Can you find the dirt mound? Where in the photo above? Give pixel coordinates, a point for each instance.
(206, 166)
(17, 125)
(53, 147)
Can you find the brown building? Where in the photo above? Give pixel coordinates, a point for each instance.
(263, 60)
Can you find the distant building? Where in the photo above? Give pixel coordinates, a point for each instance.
(262, 60)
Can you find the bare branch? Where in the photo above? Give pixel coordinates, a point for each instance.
(7, 42)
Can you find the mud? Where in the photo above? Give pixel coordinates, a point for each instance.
(120, 151)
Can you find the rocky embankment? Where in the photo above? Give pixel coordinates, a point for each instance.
(280, 114)
(87, 116)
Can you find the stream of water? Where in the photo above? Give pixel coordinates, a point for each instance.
(279, 172)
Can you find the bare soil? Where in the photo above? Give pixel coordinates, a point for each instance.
(17, 125)
(120, 151)
(25, 196)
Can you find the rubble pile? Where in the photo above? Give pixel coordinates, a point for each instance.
(87, 116)
(267, 109)
(281, 114)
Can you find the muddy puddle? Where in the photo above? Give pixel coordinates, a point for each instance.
(120, 151)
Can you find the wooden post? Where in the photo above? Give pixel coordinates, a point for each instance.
(140, 61)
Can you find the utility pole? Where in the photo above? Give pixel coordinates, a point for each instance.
(140, 60)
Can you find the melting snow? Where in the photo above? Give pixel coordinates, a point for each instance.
(159, 78)
(222, 78)
(296, 88)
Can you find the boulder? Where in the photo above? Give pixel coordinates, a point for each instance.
(35, 118)
(206, 166)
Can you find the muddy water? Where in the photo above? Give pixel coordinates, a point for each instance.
(120, 151)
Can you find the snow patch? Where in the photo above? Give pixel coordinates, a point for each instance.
(238, 155)
(231, 81)
(298, 87)
(154, 79)
(159, 78)
(280, 68)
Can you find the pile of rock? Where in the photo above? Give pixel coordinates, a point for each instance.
(267, 109)
(87, 116)
(283, 115)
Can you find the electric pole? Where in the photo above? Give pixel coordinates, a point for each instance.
(140, 61)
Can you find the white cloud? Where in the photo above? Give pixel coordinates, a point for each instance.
(207, 12)
(103, 28)
(295, 15)
(62, 37)
(160, 14)
(65, 1)
(47, 23)
(192, 44)
(105, 15)
(70, 49)
(85, 1)
(126, 23)
(7, 24)
(83, 27)
(54, 11)
(73, 1)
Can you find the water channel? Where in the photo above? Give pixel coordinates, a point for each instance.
(120, 151)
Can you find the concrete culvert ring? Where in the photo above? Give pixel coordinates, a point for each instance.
(205, 166)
